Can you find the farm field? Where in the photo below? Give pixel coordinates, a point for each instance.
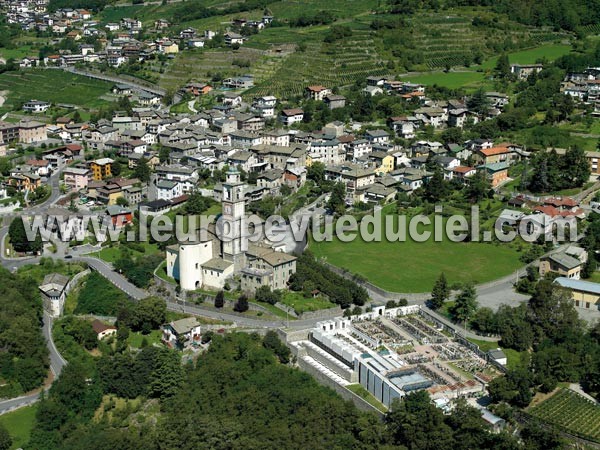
(19, 424)
(54, 86)
(410, 266)
(571, 412)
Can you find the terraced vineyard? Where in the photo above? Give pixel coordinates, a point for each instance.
(448, 40)
(330, 65)
(571, 412)
(202, 65)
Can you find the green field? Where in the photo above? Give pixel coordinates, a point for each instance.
(19, 424)
(135, 339)
(513, 357)
(477, 75)
(530, 56)
(414, 266)
(452, 80)
(54, 86)
(302, 304)
(112, 254)
(570, 412)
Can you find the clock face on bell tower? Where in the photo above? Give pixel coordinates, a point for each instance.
(227, 208)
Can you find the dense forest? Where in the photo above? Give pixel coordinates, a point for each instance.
(238, 395)
(23, 353)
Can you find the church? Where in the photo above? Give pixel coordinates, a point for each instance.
(210, 262)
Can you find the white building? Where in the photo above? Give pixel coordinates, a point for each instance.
(36, 106)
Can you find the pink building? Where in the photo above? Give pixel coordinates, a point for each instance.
(76, 178)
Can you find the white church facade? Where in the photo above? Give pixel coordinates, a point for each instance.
(210, 262)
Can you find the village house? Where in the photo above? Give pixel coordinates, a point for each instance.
(266, 267)
(335, 101)
(101, 168)
(562, 264)
(377, 136)
(36, 106)
(317, 92)
(232, 38)
(291, 116)
(31, 132)
(119, 216)
(461, 173)
(76, 178)
(181, 333)
(353, 176)
(522, 71)
(102, 330)
(497, 173)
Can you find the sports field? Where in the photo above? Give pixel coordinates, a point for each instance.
(414, 266)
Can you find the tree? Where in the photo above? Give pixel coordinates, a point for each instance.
(167, 376)
(479, 102)
(440, 292)
(478, 186)
(5, 439)
(502, 69)
(142, 170)
(316, 173)
(265, 294)
(590, 266)
(196, 203)
(416, 423)
(435, 188)
(337, 200)
(18, 237)
(220, 299)
(273, 343)
(465, 304)
(116, 168)
(484, 320)
(242, 304)
(163, 154)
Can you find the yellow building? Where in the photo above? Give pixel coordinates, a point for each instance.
(384, 162)
(562, 264)
(101, 168)
(585, 294)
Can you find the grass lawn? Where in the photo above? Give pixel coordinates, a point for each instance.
(161, 272)
(595, 278)
(274, 310)
(530, 56)
(54, 86)
(302, 304)
(180, 108)
(513, 357)
(452, 80)
(135, 339)
(113, 253)
(366, 395)
(414, 266)
(19, 424)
